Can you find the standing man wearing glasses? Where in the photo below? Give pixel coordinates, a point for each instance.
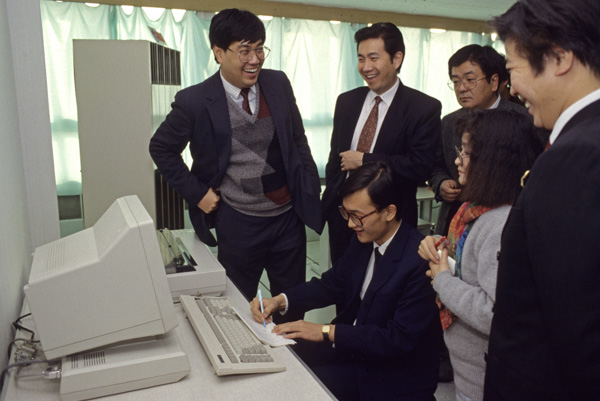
(384, 121)
(384, 342)
(253, 176)
(475, 74)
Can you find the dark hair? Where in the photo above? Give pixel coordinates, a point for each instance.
(388, 32)
(382, 185)
(233, 25)
(503, 146)
(536, 26)
(489, 60)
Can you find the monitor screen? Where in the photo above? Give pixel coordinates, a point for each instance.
(102, 285)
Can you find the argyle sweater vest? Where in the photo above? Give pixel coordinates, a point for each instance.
(255, 181)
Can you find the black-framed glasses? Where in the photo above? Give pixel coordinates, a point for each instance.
(245, 55)
(461, 154)
(468, 82)
(355, 219)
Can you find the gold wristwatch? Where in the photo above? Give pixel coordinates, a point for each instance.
(325, 330)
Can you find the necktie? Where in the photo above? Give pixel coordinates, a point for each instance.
(377, 259)
(245, 103)
(368, 132)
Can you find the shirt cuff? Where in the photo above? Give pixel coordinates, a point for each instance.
(283, 312)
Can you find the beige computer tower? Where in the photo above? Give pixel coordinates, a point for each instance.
(124, 90)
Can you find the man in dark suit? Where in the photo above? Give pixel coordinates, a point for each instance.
(544, 341)
(253, 174)
(384, 343)
(403, 132)
(475, 75)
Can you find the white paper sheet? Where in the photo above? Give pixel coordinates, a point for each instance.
(263, 333)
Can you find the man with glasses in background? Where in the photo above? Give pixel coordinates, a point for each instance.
(475, 75)
(384, 342)
(253, 176)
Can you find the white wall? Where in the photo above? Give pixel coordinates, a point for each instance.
(28, 205)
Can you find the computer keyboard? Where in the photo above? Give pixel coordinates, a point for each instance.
(230, 345)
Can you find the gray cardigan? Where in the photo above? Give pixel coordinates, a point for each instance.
(471, 300)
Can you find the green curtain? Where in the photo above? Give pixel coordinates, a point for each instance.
(319, 58)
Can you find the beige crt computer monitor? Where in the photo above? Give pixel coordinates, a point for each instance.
(102, 285)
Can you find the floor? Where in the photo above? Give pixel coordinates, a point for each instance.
(315, 252)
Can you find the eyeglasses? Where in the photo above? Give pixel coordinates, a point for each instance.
(245, 55)
(461, 154)
(468, 82)
(355, 219)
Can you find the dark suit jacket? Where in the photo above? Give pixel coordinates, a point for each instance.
(200, 117)
(545, 335)
(406, 141)
(445, 155)
(394, 345)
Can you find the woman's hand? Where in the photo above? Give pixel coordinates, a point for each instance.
(427, 249)
(436, 268)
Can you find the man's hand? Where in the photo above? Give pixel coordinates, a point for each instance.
(351, 160)
(210, 202)
(303, 329)
(449, 190)
(271, 305)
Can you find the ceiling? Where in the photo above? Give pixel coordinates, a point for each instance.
(481, 10)
(459, 15)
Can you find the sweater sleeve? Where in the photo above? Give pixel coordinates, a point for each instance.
(472, 298)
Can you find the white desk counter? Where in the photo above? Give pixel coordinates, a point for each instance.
(296, 383)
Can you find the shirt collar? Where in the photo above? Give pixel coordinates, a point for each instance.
(496, 103)
(233, 90)
(384, 246)
(387, 96)
(570, 112)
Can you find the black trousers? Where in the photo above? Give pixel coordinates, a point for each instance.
(339, 375)
(249, 244)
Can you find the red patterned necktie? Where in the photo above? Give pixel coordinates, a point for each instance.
(245, 103)
(368, 132)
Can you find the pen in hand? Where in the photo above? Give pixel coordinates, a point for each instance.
(262, 307)
(440, 242)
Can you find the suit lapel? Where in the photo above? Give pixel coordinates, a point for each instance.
(275, 100)
(388, 263)
(362, 261)
(350, 118)
(219, 115)
(392, 125)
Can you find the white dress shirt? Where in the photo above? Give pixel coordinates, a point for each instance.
(384, 105)
(234, 93)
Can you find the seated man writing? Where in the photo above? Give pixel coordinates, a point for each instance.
(384, 343)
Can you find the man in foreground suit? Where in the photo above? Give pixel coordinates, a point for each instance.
(403, 132)
(253, 174)
(544, 336)
(384, 343)
(475, 74)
